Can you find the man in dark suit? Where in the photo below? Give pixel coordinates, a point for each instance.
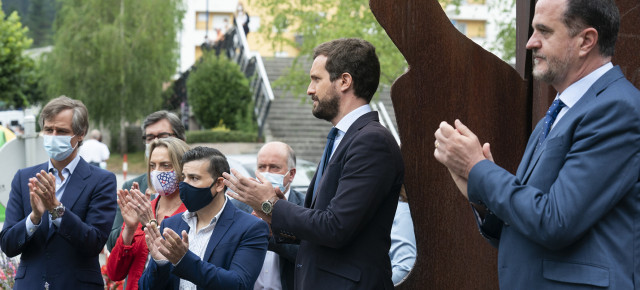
(160, 124)
(276, 161)
(59, 212)
(344, 227)
(219, 246)
(568, 218)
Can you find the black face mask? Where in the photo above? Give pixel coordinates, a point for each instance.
(195, 198)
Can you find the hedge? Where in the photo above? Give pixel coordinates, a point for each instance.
(220, 136)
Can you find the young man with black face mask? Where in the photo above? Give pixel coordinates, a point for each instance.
(219, 246)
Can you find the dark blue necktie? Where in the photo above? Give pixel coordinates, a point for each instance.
(325, 157)
(551, 116)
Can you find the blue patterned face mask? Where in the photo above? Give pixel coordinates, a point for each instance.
(58, 147)
(164, 182)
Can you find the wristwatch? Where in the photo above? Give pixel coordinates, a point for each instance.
(57, 212)
(267, 206)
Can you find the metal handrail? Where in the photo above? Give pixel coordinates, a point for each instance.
(387, 118)
(252, 66)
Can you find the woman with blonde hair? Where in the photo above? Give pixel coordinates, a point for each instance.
(129, 256)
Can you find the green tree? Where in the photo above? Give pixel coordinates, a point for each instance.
(318, 21)
(16, 69)
(505, 43)
(218, 92)
(39, 19)
(114, 55)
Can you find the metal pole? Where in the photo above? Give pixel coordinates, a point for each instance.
(30, 137)
(206, 32)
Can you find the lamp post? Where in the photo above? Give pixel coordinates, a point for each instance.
(206, 32)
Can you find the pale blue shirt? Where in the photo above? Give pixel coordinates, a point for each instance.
(575, 91)
(346, 122)
(403, 243)
(61, 185)
(198, 240)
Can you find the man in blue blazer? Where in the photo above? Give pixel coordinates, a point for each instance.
(60, 212)
(344, 227)
(568, 219)
(219, 246)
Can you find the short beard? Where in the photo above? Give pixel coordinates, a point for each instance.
(556, 69)
(327, 109)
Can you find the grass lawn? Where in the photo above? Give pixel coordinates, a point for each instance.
(135, 161)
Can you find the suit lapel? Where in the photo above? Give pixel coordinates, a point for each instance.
(351, 132)
(222, 226)
(77, 183)
(523, 169)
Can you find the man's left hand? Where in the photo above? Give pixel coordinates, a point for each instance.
(248, 190)
(457, 148)
(173, 247)
(45, 188)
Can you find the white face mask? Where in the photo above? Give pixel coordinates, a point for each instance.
(277, 180)
(58, 147)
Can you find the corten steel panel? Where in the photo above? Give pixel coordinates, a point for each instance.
(449, 77)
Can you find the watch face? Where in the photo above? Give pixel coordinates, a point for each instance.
(266, 207)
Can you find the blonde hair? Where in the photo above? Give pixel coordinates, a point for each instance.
(176, 148)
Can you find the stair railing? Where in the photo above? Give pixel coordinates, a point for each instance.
(251, 64)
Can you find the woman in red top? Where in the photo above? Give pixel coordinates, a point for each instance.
(129, 255)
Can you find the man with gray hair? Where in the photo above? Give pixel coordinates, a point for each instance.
(160, 124)
(277, 162)
(60, 211)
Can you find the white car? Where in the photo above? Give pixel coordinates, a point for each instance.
(246, 165)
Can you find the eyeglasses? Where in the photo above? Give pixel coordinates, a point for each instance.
(150, 137)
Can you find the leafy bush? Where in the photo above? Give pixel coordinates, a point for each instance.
(220, 136)
(218, 92)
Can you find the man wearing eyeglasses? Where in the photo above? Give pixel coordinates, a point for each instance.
(160, 124)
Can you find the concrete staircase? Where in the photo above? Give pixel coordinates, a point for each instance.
(290, 119)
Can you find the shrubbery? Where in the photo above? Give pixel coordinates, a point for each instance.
(208, 136)
(218, 92)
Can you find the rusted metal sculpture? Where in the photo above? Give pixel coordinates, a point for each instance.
(451, 77)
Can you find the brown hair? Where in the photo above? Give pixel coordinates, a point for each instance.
(176, 148)
(80, 120)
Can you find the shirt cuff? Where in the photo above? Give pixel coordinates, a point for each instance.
(56, 222)
(31, 228)
(161, 262)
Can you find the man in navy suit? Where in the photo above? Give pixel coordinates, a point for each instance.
(345, 224)
(568, 219)
(60, 212)
(219, 246)
(276, 161)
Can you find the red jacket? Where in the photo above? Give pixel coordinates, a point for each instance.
(130, 260)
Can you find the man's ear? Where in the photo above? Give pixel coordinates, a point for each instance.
(589, 38)
(219, 185)
(292, 174)
(345, 82)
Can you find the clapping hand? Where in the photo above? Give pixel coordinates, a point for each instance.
(141, 206)
(42, 195)
(171, 247)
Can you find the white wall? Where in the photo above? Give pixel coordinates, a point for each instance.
(189, 37)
